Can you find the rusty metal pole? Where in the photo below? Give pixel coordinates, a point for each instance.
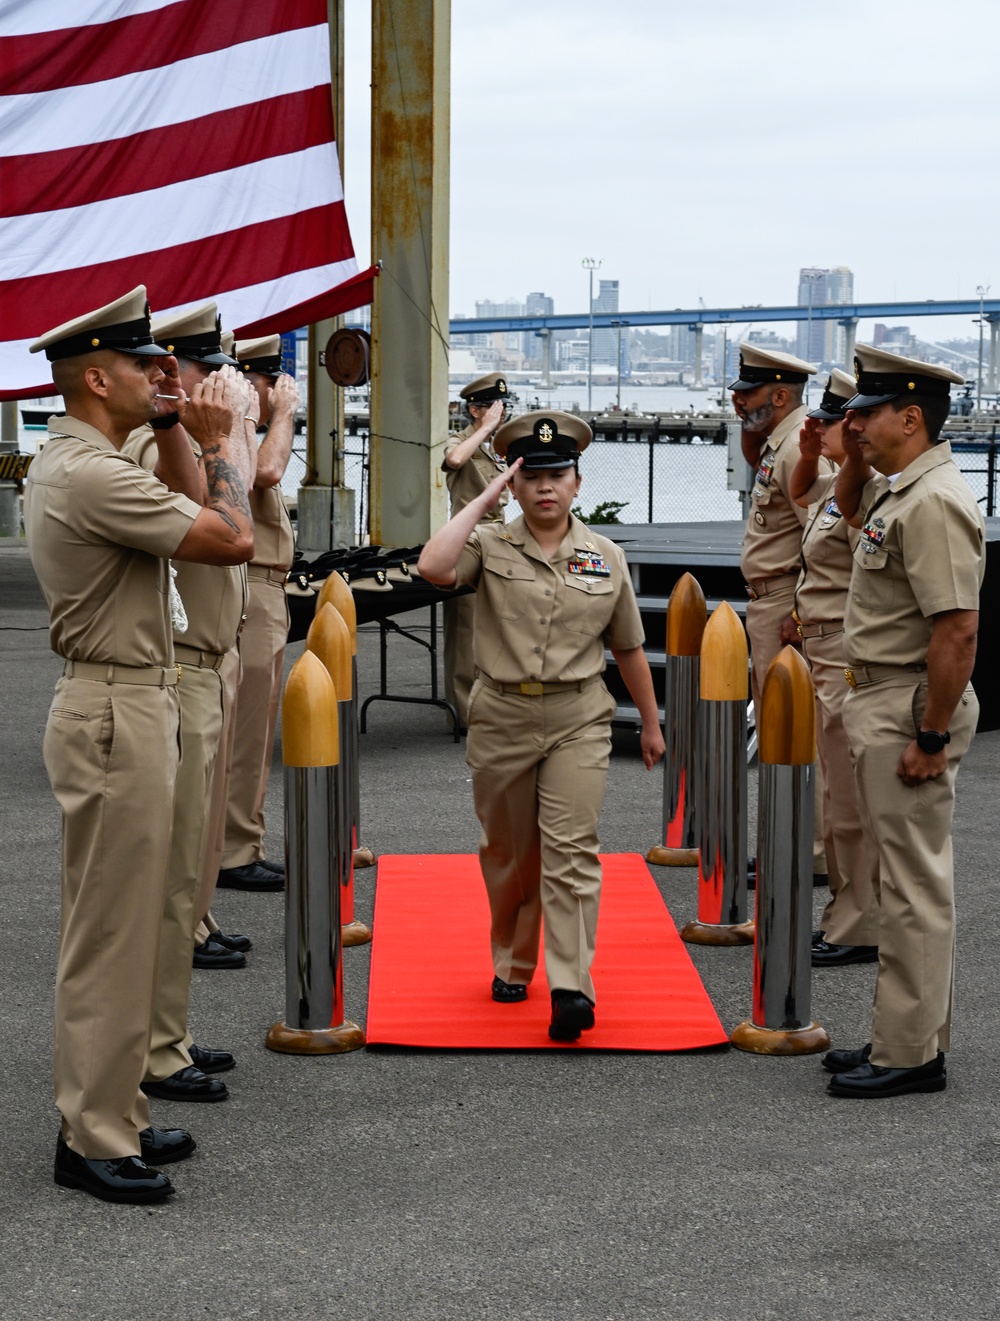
(314, 1022)
(722, 756)
(411, 82)
(686, 617)
(780, 1023)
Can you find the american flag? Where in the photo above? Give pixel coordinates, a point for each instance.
(187, 145)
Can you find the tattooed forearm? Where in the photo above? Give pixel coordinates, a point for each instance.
(226, 487)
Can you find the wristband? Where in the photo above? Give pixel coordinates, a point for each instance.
(165, 422)
(931, 741)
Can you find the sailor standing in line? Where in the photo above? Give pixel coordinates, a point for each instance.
(262, 643)
(767, 398)
(551, 595)
(213, 598)
(470, 464)
(910, 639)
(100, 531)
(848, 930)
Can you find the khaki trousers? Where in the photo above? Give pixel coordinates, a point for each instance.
(459, 616)
(200, 692)
(764, 619)
(111, 752)
(539, 769)
(215, 834)
(916, 890)
(262, 651)
(851, 916)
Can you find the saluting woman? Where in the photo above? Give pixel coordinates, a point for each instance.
(550, 596)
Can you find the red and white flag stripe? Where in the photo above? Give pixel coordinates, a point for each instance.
(173, 143)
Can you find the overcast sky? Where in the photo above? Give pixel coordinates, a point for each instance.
(707, 149)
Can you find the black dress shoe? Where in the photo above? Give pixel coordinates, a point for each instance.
(817, 937)
(127, 1179)
(188, 1084)
(825, 955)
(873, 1081)
(232, 940)
(211, 1061)
(843, 1061)
(572, 1013)
(252, 876)
(160, 1146)
(277, 867)
(508, 993)
(213, 955)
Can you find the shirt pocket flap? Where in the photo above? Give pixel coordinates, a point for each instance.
(510, 570)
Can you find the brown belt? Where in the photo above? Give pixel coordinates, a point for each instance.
(820, 630)
(266, 575)
(155, 676)
(205, 660)
(860, 676)
(538, 689)
(767, 586)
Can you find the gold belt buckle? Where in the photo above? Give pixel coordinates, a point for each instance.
(849, 676)
(532, 689)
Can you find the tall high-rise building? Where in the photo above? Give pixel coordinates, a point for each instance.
(536, 304)
(511, 341)
(606, 341)
(818, 340)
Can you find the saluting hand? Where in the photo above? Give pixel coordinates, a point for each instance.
(493, 416)
(491, 496)
(849, 440)
(208, 414)
(283, 396)
(810, 439)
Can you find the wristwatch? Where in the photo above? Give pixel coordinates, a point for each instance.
(930, 741)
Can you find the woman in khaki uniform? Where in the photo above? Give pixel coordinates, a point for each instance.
(849, 927)
(470, 464)
(551, 595)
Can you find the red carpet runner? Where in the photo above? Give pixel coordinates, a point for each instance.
(431, 972)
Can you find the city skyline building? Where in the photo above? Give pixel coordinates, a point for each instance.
(819, 341)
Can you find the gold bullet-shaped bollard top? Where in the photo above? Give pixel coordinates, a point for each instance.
(686, 616)
(309, 715)
(786, 726)
(724, 674)
(336, 592)
(329, 638)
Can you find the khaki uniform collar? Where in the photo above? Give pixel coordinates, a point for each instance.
(577, 535)
(72, 426)
(792, 424)
(923, 463)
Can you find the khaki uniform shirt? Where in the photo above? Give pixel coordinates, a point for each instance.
(214, 595)
(547, 621)
(827, 542)
(472, 479)
(100, 529)
(921, 551)
(273, 539)
(773, 537)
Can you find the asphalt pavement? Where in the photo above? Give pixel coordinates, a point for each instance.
(458, 1185)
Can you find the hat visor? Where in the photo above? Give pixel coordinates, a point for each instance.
(747, 386)
(211, 359)
(869, 400)
(146, 351)
(552, 461)
(824, 415)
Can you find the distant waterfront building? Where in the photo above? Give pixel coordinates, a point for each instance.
(536, 304)
(507, 344)
(818, 340)
(606, 340)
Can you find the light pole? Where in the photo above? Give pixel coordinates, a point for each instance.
(982, 291)
(591, 265)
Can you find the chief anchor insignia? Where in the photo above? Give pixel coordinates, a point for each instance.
(545, 433)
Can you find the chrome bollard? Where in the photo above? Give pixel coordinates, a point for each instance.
(722, 756)
(780, 1022)
(314, 1022)
(685, 626)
